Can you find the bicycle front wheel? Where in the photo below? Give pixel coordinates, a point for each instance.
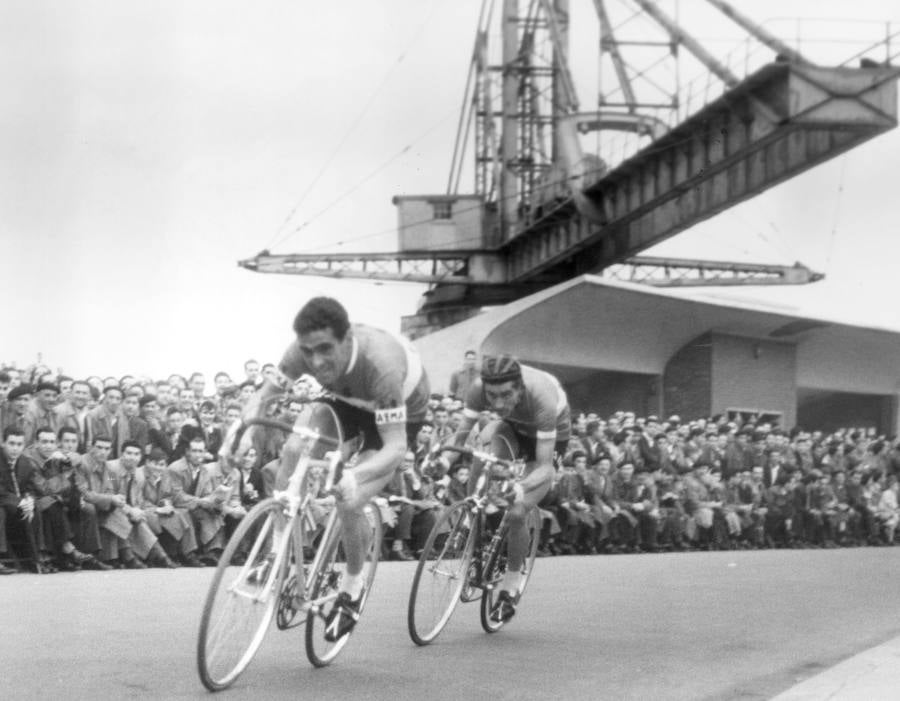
(325, 584)
(243, 594)
(441, 573)
(497, 564)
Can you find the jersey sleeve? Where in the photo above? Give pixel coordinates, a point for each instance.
(388, 372)
(292, 364)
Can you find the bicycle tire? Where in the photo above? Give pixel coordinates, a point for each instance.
(325, 583)
(495, 568)
(435, 589)
(225, 643)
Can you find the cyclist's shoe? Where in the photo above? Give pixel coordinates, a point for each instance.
(504, 608)
(344, 615)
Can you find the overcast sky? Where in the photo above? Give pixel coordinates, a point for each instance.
(147, 146)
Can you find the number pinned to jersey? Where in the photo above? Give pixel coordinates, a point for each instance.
(392, 415)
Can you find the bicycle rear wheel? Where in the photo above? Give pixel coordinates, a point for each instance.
(325, 582)
(497, 565)
(243, 594)
(441, 574)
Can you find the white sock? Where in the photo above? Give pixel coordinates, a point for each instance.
(353, 584)
(511, 582)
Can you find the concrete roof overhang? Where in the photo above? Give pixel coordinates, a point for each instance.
(593, 322)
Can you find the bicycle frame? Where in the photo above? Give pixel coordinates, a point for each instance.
(296, 502)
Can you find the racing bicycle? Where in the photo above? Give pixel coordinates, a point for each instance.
(284, 560)
(464, 559)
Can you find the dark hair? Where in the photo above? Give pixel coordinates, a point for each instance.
(101, 437)
(322, 313)
(173, 410)
(4, 376)
(12, 431)
(156, 455)
(131, 444)
(45, 429)
(64, 430)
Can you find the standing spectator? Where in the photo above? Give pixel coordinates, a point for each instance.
(252, 374)
(168, 439)
(106, 420)
(138, 429)
(462, 379)
(197, 385)
(887, 512)
(41, 413)
(73, 412)
(18, 403)
(442, 428)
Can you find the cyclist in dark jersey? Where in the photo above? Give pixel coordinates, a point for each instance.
(379, 391)
(535, 419)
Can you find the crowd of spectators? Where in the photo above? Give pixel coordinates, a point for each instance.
(124, 473)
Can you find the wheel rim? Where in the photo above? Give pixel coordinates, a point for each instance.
(442, 572)
(241, 601)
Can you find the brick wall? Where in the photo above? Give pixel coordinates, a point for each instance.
(687, 380)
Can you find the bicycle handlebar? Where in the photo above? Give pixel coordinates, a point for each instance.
(280, 426)
(483, 455)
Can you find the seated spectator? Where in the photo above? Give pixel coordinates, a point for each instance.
(191, 490)
(413, 515)
(58, 497)
(95, 483)
(19, 483)
(128, 481)
(577, 520)
(173, 526)
(887, 512)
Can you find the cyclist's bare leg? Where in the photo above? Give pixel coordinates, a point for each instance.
(517, 535)
(357, 532)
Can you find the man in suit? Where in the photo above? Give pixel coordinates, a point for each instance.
(106, 420)
(128, 481)
(96, 486)
(168, 438)
(191, 490)
(462, 379)
(73, 412)
(19, 480)
(171, 525)
(41, 413)
(56, 493)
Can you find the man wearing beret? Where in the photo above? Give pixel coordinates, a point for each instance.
(19, 399)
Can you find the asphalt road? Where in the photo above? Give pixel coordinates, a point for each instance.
(727, 625)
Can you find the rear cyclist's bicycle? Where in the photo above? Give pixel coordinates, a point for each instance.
(284, 559)
(462, 559)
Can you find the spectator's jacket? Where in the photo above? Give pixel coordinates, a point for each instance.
(856, 497)
(737, 459)
(95, 483)
(58, 479)
(171, 444)
(571, 487)
(36, 418)
(28, 479)
(625, 493)
(129, 484)
(599, 489)
(779, 501)
(182, 480)
(223, 487)
(461, 380)
(69, 416)
(102, 423)
(887, 505)
(695, 493)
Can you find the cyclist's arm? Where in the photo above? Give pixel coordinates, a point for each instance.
(382, 463)
(543, 465)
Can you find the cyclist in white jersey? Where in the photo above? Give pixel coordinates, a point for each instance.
(380, 391)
